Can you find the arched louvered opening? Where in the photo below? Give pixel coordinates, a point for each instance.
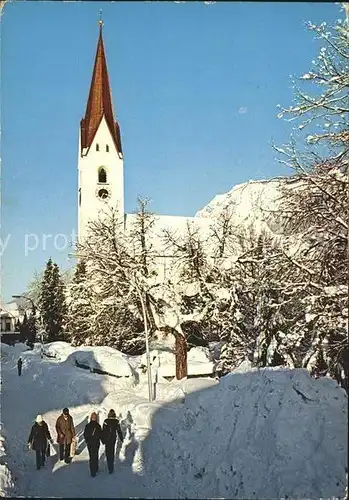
(102, 175)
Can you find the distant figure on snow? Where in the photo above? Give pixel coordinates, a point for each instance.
(65, 434)
(19, 366)
(38, 440)
(111, 429)
(92, 436)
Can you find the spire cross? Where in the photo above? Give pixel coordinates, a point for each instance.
(100, 22)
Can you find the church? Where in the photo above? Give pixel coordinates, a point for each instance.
(101, 161)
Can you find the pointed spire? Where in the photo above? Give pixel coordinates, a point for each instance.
(99, 102)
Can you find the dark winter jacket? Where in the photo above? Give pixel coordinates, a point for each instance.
(65, 430)
(93, 433)
(111, 428)
(19, 363)
(38, 436)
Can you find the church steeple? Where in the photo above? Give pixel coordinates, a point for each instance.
(99, 102)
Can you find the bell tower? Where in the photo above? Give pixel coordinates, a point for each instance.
(100, 163)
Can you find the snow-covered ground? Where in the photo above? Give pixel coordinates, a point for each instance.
(106, 359)
(116, 363)
(6, 483)
(271, 433)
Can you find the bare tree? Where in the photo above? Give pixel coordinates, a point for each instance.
(188, 252)
(316, 208)
(330, 72)
(140, 237)
(121, 266)
(110, 267)
(223, 233)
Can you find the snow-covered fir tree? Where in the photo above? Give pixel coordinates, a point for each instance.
(34, 287)
(23, 328)
(52, 303)
(31, 329)
(80, 319)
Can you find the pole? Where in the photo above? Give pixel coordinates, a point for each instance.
(146, 344)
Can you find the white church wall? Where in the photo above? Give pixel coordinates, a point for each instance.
(90, 204)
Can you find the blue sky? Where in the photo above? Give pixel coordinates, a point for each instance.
(195, 90)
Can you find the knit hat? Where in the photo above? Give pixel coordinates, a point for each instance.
(94, 416)
(39, 419)
(65, 411)
(111, 414)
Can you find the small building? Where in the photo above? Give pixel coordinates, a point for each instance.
(10, 313)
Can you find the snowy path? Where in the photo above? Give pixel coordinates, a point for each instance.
(271, 433)
(46, 387)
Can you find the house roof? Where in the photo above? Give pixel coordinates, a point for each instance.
(99, 102)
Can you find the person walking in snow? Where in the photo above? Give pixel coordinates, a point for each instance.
(38, 440)
(111, 429)
(92, 436)
(65, 434)
(19, 366)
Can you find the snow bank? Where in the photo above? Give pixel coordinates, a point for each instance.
(12, 351)
(263, 434)
(105, 359)
(111, 361)
(200, 361)
(271, 433)
(244, 367)
(59, 350)
(164, 361)
(198, 355)
(5, 350)
(6, 481)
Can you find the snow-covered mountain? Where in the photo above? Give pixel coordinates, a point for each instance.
(254, 203)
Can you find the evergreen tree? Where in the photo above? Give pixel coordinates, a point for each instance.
(34, 287)
(80, 315)
(46, 298)
(23, 329)
(52, 302)
(31, 329)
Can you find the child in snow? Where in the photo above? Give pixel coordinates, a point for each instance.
(92, 436)
(38, 440)
(65, 434)
(111, 428)
(19, 366)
